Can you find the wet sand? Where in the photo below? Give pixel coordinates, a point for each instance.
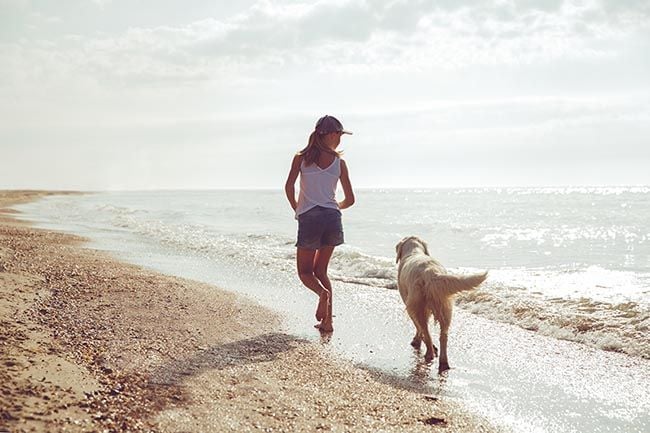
(93, 344)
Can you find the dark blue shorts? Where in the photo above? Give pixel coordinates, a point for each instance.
(319, 227)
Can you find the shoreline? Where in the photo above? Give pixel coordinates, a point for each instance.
(92, 343)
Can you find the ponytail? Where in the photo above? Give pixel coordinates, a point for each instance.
(315, 146)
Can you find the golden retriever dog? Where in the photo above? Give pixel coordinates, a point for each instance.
(427, 289)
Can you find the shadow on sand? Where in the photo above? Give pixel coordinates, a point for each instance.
(262, 348)
(421, 379)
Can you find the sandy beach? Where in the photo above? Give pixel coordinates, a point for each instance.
(93, 344)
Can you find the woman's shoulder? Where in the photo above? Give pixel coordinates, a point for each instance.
(296, 162)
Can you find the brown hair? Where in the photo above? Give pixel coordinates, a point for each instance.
(311, 153)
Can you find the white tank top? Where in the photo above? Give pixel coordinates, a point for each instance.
(318, 186)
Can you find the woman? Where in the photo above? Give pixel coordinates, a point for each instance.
(319, 214)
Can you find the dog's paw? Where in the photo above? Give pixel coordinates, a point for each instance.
(431, 353)
(442, 367)
(416, 343)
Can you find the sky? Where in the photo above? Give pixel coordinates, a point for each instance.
(194, 94)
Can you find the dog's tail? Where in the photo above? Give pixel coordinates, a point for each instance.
(448, 284)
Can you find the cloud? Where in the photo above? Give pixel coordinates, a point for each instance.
(374, 51)
(453, 79)
(346, 37)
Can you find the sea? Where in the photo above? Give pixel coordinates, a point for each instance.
(556, 340)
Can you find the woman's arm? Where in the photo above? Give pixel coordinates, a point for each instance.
(290, 185)
(348, 194)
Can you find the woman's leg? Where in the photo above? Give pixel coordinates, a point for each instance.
(305, 259)
(321, 262)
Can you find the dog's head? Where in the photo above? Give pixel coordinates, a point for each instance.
(408, 244)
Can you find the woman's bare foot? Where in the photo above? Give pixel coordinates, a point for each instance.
(324, 327)
(321, 310)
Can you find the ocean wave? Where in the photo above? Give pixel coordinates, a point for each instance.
(619, 327)
(351, 266)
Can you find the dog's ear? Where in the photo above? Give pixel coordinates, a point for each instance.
(426, 247)
(398, 250)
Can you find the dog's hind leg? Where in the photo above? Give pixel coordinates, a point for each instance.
(421, 319)
(444, 319)
(417, 340)
(443, 363)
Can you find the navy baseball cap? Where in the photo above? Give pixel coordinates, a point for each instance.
(328, 124)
